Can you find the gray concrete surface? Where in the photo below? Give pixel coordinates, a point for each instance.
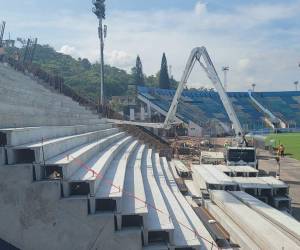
(290, 173)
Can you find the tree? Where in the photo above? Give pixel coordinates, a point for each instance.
(164, 80)
(137, 72)
(85, 63)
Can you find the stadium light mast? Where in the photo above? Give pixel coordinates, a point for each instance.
(99, 11)
(225, 70)
(296, 85)
(253, 87)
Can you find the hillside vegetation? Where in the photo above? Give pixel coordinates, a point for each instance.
(82, 75)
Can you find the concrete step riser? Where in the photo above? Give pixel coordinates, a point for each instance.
(42, 105)
(2, 156)
(48, 151)
(75, 164)
(17, 92)
(18, 109)
(19, 137)
(96, 183)
(26, 85)
(37, 96)
(17, 121)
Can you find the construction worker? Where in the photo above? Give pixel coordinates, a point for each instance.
(281, 150)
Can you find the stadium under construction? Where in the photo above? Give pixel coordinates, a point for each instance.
(182, 170)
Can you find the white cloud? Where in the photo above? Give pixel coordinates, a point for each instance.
(120, 59)
(68, 50)
(200, 8)
(243, 64)
(245, 38)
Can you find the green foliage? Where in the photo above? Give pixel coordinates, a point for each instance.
(84, 76)
(164, 80)
(137, 72)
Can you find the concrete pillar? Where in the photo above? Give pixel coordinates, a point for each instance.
(92, 202)
(38, 172)
(66, 189)
(142, 113)
(132, 115)
(2, 156)
(149, 110)
(119, 221)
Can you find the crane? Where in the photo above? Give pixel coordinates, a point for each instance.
(196, 55)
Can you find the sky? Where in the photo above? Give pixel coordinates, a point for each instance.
(258, 40)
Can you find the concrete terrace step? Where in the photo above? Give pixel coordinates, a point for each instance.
(19, 136)
(13, 79)
(23, 110)
(17, 121)
(112, 186)
(95, 169)
(134, 208)
(159, 227)
(18, 79)
(203, 235)
(70, 161)
(184, 237)
(30, 101)
(19, 91)
(19, 98)
(266, 235)
(41, 151)
(286, 223)
(237, 235)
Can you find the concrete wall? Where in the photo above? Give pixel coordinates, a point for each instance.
(33, 216)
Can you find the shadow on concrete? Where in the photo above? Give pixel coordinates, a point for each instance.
(296, 213)
(6, 246)
(292, 182)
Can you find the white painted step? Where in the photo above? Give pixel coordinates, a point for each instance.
(134, 208)
(19, 136)
(44, 150)
(202, 234)
(134, 203)
(72, 160)
(94, 170)
(158, 217)
(112, 186)
(184, 235)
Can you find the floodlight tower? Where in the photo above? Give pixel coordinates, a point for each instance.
(253, 87)
(99, 11)
(296, 85)
(2, 29)
(225, 70)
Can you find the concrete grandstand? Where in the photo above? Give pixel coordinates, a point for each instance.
(254, 110)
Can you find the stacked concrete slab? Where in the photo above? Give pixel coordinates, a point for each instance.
(70, 180)
(207, 177)
(222, 177)
(253, 224)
